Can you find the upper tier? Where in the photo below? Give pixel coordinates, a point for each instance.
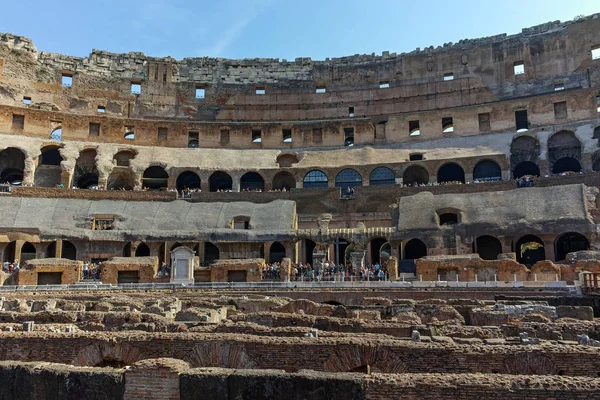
(472, 87)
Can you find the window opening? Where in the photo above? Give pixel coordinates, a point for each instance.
(321, 90)
(261, 91)
(103, 224)
(136, 88)
(26, 100)
(449, 76)
(163, 134)
(224, 136)
(256, 136)
(447, 125)
(415, 157)
(56, 134)
(129, 133)
(101, 109)
(519, 68)
(286, 135)
(598, 103)
(484, 122)
(596, 52)
(193, 138)
(94, 129)
(317, 134)
(18, 121)
(348, 137)
(384, 85)
(413, 128)
(559, 86)
(521, 121)
(350, 112)
(448, 219)
(200, 93)
(67, 80)
(560, 110)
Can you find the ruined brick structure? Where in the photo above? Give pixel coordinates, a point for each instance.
(471, 171)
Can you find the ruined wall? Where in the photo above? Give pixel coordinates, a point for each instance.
(71, 271)
(224, 270)
(146, 267)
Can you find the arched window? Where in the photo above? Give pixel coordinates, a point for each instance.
(564, 145)
(252, 181)
(56, 134)
(69, 251)
(414, 249)
(276, 252)
(315, 179)
(86, 173)
(488, 247)
(283, 180)
(12, 164)
(529, 250)
(155, 177)
(28, 252)
(451, 172)
(188, 180)
(487, 170)
(211, 252)
(525, 168)
(48, 172)
(415, 175)
(566, 165)
(570, 242)
(50, 156)
(380, 250)
(142, 250)
(220, 180)
(382, 176)
(348, 178)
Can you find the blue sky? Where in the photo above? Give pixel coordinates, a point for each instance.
(273, 28)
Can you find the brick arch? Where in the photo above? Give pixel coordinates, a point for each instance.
(378, 358)
(101, 353)
(530, 363)
(221, 355)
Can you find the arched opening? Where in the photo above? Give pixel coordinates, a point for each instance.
(450, 172)
(564, 145)
(121, 179)
(188, 180)
(86, 174)
(309, 248)
(529, 250)
(283, 180)
(142, 250)
(276, 252)
(415, 175)
(380, 251)
(69, 251)
(382, 176)
(315, 179)
(488, 247)
(448, 218)
(348, 178)
(50, 156)
(123, 158)
(487, 171)
(51, 250)
(211, 252)
(56, 134)
(28, 252)
(155, 178)
(48, 172)
(8, 255)
(341, 251)
(413, 250)
(12, 164)
(252, 181)
(524, 151)
(570, 242)
(525, 168)
(566, 165)
(127, 250)
(220, 181)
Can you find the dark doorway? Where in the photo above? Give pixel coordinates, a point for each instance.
(252, 181)
(128, 277)
(142, 250)
(487, 171)
(451, 173)
(155, 178)
(69, 251)
(219, 181)
(283, 180)
(569, 243)
(415, 175)
(211, 252)
(309, 246)
(236, 276)
(51, 250)
(276, 252)
(28, 252)
(49, 278)
(9, 252)
(188, 180)
(525, 168)
(488, 247)
(375, 248)
(413, 250)
(529, 250)
(566, 164)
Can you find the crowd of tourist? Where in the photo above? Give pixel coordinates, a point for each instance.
(92, 270)
(11, 267)
(328, 271)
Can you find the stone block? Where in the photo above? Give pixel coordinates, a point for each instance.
(576, 312)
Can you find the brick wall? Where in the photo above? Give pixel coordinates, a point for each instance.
(155, 379)
(54, 193)
(71, 271)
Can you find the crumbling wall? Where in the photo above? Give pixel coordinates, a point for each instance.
(70, 270)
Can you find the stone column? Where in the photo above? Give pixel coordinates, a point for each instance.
(59, 244)
(154, 379)
(392, 267)
(358, 258)
(285, 269)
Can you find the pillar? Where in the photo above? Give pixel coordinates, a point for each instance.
(392, 268)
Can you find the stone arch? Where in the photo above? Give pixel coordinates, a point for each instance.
(566, 164)
(378, 358)
(487, 170)
(102, 354)
(86, 172)
(414, 249)
(315, 179)
(121, 178)
(563, 144)
(155, 177)
(252, 181)
(56, 134)
(529, 363)
(220, 355)
(123, 158)
(12, 165)
(211, 252)
(287, 160)
(528, 252)
(69, 251)
(189, 180)
(276, 252)
(382, 176)
(488, 247)
(283, 180)
(8, 254)
(28, 252)
(450, 172)
(415, 174)
(348, 178)
(220, 180)
(380, 250)
(524, 148)
(142, 250)
(525, 168)
(569, 242)
(50, 155)
(48, 171)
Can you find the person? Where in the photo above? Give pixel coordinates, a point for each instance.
(86, 271)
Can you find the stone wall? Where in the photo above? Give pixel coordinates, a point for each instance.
(71, 271)
(55, 193)
(147, 268)
(224, 270)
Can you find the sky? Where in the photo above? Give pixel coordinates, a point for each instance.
(283, 29)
